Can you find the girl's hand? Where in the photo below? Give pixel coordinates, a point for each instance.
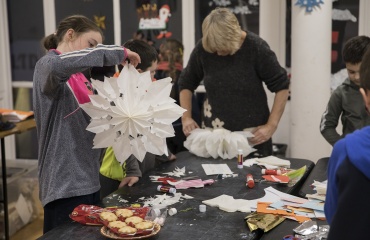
(133, 57)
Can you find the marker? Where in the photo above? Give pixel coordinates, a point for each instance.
(250, 181)
(240, 158)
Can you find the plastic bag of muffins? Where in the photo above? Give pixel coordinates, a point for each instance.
(130, 226)
(90, 214)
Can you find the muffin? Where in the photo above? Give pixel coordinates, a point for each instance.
(134, 220)
(108, 216)
(125, 213)
(117, 224)
(127, 230)
(145, 225)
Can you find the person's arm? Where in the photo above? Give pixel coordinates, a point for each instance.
(189, 80)
(276, 79)
(188, 123)
(330, 118)
(265, 132)
(133, 172)
(338, 156)
(102, 55)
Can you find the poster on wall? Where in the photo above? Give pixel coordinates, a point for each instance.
(100, 11)
(151, 20)
(247, 12)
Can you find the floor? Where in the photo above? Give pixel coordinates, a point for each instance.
(31, 231)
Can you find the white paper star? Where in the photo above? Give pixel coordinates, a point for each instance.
(132, 114)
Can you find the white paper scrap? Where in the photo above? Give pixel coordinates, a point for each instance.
(213, 169)
(24, 209)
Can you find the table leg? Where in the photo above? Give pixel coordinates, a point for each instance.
(5, 190)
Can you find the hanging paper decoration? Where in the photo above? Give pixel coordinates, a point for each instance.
(100, 21)
(218, 143)
(309, 4)
(132, 114)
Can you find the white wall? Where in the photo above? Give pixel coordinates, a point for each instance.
(272, 29)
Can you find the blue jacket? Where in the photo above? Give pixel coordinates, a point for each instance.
(347, 205)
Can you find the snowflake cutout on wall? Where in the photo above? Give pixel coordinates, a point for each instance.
(309, 4)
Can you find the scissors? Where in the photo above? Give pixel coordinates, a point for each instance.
(290, 237)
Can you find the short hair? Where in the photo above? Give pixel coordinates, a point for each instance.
(365, 71)
(148, 54)
(355, 48)
(221, 31)
(79, 23)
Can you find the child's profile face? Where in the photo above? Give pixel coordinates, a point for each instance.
(152, 69)
(353, 71)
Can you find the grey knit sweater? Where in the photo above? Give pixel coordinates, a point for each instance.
(346, 103)
(68, 166)
(234, 83)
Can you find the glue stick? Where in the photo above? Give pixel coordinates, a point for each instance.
(166, 189)
(240, 158)
(271, 172)
(250, 181)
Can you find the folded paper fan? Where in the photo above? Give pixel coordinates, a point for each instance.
(132, 114)
(218, 143)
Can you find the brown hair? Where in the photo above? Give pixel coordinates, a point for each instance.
(365, 71)
(79, 23)
(172, 51)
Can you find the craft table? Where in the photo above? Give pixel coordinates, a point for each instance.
(189, 223)
(318, 173)
(19, 128)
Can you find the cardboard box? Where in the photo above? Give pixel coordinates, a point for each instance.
(24, 204)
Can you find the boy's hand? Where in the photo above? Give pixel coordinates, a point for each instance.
(133, 57)
(129, 181)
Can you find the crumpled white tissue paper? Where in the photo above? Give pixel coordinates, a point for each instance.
(218, 143)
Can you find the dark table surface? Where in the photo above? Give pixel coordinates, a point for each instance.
(318, 173)
(192, 224)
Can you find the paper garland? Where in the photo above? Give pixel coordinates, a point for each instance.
(218, 143)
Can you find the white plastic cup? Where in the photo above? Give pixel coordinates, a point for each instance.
(156, 212)
(172, 211)
(202, 208)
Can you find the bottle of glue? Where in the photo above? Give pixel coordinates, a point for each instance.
(250, 181)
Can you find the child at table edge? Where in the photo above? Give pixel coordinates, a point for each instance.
(348, 192)
(113, 175)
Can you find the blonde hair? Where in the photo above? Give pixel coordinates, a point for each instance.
(221, 31)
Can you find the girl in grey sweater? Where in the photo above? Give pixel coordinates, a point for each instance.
(68, 166)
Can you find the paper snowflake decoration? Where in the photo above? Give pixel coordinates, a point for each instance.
(309, 4)
(132, 114)
(218, 143)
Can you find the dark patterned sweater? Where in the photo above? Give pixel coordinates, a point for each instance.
(234, 83)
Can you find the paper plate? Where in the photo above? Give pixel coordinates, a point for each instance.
(109, 234)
